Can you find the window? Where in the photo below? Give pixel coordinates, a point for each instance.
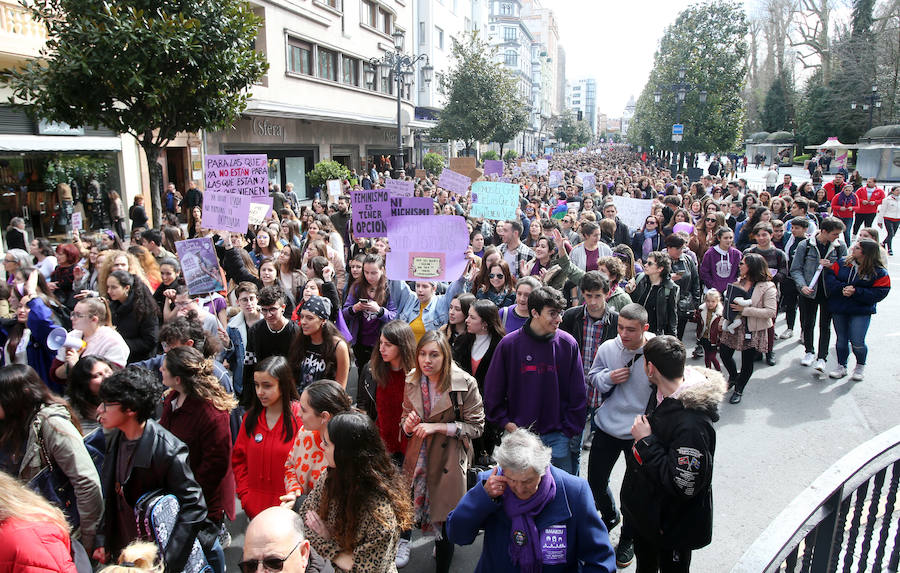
(370, 14)
(468, 25)
(387, 20)
(421, 32)
(336, 4)
(300, 57)
(350, 70)
(387, 85)
(328, 65)
(506, 9)
(509, 34)
(511, 58)
(439, 37)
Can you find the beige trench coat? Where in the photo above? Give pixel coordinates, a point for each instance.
(447, 457)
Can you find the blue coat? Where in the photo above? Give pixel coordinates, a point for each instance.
(587, 543)
(868, 291)
(40, 322)
(435, 315)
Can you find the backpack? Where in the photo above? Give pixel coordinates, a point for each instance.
(156, 513)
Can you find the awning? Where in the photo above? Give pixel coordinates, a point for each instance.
(24, 143)
(278, 109)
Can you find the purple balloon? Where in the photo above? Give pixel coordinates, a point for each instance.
(686, 227)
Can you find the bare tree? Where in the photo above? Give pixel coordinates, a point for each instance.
(813, 25)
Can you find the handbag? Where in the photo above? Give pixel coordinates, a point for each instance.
(156, 513)
(54, 485)
(472, 470)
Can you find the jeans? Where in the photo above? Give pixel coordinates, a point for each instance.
(566, 451)
(850, 330)
(605, 451)
(216, 557)
(848, 224)
(862, 220)
(891, 227)
(809, 307)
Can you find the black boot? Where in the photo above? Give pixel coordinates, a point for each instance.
(770, 358)
(443, 553)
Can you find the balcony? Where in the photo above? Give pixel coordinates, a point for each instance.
(21, 38)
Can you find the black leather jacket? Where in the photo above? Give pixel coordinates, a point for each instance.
(160, 462)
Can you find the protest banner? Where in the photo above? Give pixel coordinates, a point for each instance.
(494, 200)
(231, 181)
(260, 207)
(632, 212)
(399, 188)
(405, 206)
(453, 181)
(588, 181)
(556, 178)
(428, 248)
(530, 168)
(76, 220)
(493, 166)
(517, 171)
(466, 166)
(370, 212)
(420, 174)
(542, 166)
(199, 265)
(334, 189)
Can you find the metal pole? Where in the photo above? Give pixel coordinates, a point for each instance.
(871, 108)
(399, 79)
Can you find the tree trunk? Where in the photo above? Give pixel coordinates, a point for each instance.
(156, 197)
(501, 150)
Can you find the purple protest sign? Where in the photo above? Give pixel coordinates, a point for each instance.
(428, 248)
(453, 181)
(556, 178)
(231, 180)
(505, 180)
(370, 212)
(493, 166)
(405, 206)
(399, 188)
(199, 265)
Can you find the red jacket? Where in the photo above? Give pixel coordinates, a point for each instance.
(207, 434)
(862, 195)
(34, 547)
(258, 462)
(844, 206)
(830, 190)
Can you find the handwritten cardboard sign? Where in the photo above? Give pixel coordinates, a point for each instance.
(556, 178)
(632, 212)
(427, 248)
(76, 220)
(420, 174)
(588, 181)
(542, 166)
(406, 206)
(453, 181)
(494, 200)
(260, 207)
(334, 189)
(199, 265)
(493, 166)
(231, 181)
(399, 188)
(370, 212)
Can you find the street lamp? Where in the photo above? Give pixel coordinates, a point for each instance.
(399, 68)
(870, 102)
(680, 89)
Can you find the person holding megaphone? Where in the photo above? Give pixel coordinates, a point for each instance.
(24, 339)
(91, 324)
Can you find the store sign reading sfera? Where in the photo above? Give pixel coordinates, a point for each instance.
(265, 128)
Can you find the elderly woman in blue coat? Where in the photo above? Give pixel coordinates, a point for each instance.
(536, 518)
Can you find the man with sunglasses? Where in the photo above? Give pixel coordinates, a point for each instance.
(275, 541)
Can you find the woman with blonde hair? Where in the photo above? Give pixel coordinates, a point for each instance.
(116, 260)
(35, 534)
(196, 410)
(91, 323)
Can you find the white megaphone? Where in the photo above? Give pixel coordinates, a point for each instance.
(59, 337)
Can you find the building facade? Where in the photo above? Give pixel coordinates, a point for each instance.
(581, 99)
(316, 101)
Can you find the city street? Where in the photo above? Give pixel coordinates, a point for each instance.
(789, 428)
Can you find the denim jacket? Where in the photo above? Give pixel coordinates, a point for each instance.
(435, 315)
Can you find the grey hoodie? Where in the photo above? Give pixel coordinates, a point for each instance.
(616, 415)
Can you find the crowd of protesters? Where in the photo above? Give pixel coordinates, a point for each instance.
(566, 333)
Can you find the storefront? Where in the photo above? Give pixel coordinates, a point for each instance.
(294, 146)
(36, 157)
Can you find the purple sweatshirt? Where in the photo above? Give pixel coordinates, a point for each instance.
(538, 382)
(719, 270)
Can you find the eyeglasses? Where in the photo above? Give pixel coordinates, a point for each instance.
(269, 309)
(80, 315)
(106, 405)
(268, 563)
(496, 276)
(9, 260)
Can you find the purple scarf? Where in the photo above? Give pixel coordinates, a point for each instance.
(524, 542)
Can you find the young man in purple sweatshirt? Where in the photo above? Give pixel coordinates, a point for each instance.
(536, 381)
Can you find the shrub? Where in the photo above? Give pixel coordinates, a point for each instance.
(490, 155)
(433, 163)
(326, 170)
(510, 155)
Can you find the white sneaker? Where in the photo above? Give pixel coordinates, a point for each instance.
(402, 559)
(858, 372)
(786, 335)
(838, 372)
(820, 365)
(808, 359)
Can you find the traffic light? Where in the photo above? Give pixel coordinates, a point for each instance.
(580, 116)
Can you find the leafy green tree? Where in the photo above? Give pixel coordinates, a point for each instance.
(490, 155)
(708, 40)
(480, 95)
(513, 118)
(149, 68)
(572, 132)
(433, 163)
(510, 155)
(778, 110)
(325, 171)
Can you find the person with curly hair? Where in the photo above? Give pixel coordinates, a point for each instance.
(357, 509)
(134, 314)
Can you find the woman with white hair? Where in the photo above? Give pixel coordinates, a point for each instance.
(535, 517)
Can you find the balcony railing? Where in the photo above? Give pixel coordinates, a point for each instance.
(19, 33)
(847, 520)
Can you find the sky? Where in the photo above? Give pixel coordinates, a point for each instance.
(614, 41)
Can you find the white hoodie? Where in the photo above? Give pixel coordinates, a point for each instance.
(616, 415)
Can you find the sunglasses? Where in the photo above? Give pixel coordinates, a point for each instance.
(713, 219)
(268, 563)
(496, 276)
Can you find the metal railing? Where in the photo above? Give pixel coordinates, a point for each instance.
(847, 520)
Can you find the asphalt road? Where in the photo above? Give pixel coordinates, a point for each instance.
(789, 428)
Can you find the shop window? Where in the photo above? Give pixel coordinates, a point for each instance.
(300, 57)
(350, 70)
(328, 64)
